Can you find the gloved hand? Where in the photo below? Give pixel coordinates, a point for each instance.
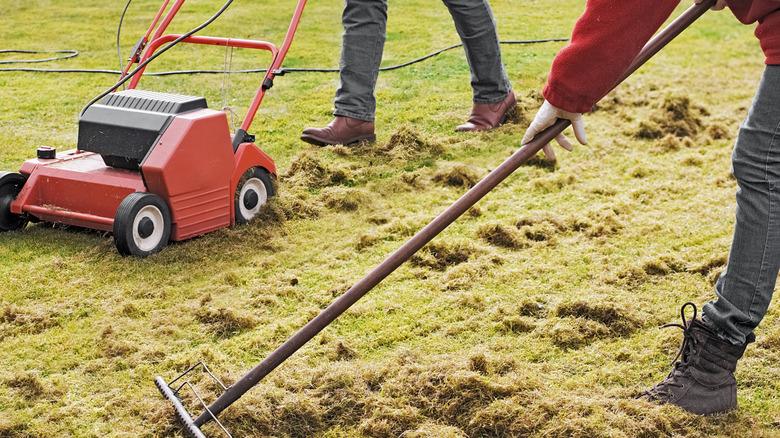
(718, 6)
(546, 116)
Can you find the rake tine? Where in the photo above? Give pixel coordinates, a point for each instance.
(185, 419)
(188, 425)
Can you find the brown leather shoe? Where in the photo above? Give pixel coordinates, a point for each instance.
(486, 116)
(342, 130)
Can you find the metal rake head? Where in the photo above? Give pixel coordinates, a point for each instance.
(189, 426)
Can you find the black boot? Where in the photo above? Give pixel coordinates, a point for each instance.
(702, 381)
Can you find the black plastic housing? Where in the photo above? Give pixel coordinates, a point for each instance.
(124, 126)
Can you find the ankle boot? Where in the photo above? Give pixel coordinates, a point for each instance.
(702, 381)
(489, 115)
(342, 130)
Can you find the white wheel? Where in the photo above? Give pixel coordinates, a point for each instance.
(252, 193)
(148, 228)
(142, 225)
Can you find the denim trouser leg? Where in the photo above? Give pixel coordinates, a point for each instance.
(365, 22)
(745, 288)
(476, 26)
(362, 43)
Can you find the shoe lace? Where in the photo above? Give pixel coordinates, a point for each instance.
(688, 347)
(662, 390)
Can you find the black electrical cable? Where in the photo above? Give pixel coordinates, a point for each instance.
(119, 32)
(153, 57)
(280, 72)
(69, 54)
(431, 55)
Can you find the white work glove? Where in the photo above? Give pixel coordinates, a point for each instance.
(718, 6)
(546, 116)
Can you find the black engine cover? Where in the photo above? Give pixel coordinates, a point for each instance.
(124, 126)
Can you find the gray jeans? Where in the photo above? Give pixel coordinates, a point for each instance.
(363, 41)
(746, 286)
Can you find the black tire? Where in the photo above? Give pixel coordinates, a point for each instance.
(10, 186)
(142, 225)
(253, 190)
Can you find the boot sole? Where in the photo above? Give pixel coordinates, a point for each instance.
(319, 141)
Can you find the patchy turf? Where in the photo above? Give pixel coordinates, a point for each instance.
(536, 314)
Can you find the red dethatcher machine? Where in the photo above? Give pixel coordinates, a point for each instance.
(150, 167)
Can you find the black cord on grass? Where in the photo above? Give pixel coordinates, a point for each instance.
(280, 72)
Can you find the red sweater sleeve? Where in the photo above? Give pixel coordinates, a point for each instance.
(606, 39)
(767, 14)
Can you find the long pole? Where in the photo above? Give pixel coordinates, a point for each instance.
(425, 235)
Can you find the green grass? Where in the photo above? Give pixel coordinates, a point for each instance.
(535, 314)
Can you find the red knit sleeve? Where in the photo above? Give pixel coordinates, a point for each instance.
(606, 39)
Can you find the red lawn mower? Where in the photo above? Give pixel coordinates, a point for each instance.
(150, 167)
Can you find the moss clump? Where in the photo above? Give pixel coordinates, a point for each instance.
(677, 117)
(459, 175)
(531, 308)
(540, 161)
(498, 234)
(407, 144)
(540, 233)
(542, 218)
(669, 143)
(714, 263)
(27, 385)
(599, 222)
(431, 429)
(515, 324)
(15, 319)
(344, 198)
(573, 333)
(307, 169)
(618, 320)
(718, 131)
(224, 322)
(341, 351)
(553, 182)
(441, 255)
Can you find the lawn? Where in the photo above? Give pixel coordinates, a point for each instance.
(535, 314)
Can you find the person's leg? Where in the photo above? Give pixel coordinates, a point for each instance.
(362, 43)
(745, 288)
(365, 23)
(476, 27)
(492, 92)
(702, 381)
